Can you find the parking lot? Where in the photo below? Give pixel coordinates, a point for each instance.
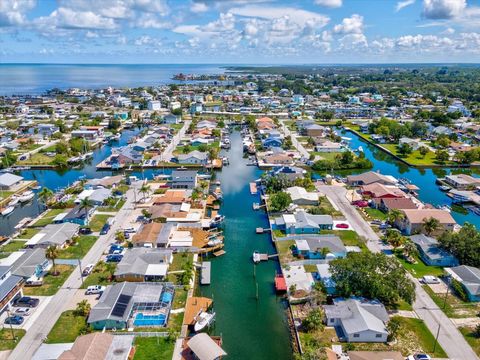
(34, 313)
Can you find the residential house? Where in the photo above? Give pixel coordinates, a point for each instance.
(278, 159)
(324, 275)
(297, 278)
(78, 215)
(183, 179)
(358, 320)
(319, 247)
(300, 196)
(389, 204)
(30, 264)
(9, 181)
(462, 181)
(314, 130)
(414, 219)
(99, 345)
(154, 105)
(272, 141)
(469, 277)
(431, 253)
(119, 305)
(327, 146)
(415, 144)
(302, 222)
(47, 129)
(144, 264)
(58, 235)
(291, 173)
(171, 119)
(202, 347)
(194, 157)
(10, 287)
(370, 177)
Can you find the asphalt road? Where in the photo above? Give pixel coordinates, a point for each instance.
(50, 314)
(295, 143)
(168, 152)
(451, 340)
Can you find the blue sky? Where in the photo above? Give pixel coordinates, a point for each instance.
(239, 31)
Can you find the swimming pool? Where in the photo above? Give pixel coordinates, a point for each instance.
(149, 320)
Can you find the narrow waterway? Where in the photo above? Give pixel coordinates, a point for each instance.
(423, 178)
(251, 328)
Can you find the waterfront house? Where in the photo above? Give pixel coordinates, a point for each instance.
(390, 204)
(314, 130)
(183, 179)
(96, 196)
(370, 177)
(469, 277)
(121, 305)
(300, 196)
(320, 247)
(144, 264)
(302, 222)
(380, 191)
(127, 155)
(10, 288)
(272, 141)
(324, 275)
(47, 129)
(194, 158)
(201, 347)
(297, 278)
(90, 135)
(462, 181)
(147, 235)
(171, 196)
(79, 216)
(10, 181)
(30, 264)
(431, 253)
(327, 146)
(58, 235)
(415, 144)
(414, 219)
(96, 345)
(291, 173)
(358, 320)
(278, 159)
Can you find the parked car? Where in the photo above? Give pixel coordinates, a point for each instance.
(95, 289)
(87, 269)
(27, 301)
(114, 258)
(419, 357)
(129, 230)
(85, 231)
(14, 320)
(360, 203)
(342, 226)
(23, 311)
(105, 229)
(34, 282)
(429, 279)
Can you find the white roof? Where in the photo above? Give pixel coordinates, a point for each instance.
(84, 194)
(302, 245)
(10, 259)
(185, 207)
(324, 270)
(8, 179)
(289, 218)
(205, 348)
(60, 216)
(157, 269)
(296, 275)
(35, 239)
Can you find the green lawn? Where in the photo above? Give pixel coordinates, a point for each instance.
(419, 269)
(326, 155)
(100, 275)
(348, 237)
(453, 306)
(310, 268)
(375, 214)
(179, 260)
(415, 158)
(67, 328)
(48, 217)
(180, 298)
(471, 338)
(5, 194)
(179, 149)
(12, 246)
(28, 233)
(147, 348)
(79, 249)
(51, 284)
(37, 159)
(97, 221)
(7, 341)
(115, 208)
(284, 251)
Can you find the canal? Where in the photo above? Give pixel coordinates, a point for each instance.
(251, 328)
(423, 178)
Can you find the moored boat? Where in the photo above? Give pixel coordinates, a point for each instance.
(203, 320)
(14, 201)
(26, 196)
(8, 210)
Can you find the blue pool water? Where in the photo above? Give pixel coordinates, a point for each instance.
(149, 320)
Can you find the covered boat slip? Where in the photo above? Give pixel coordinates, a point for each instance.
(206, 272)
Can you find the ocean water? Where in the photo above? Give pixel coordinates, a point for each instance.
(37, 78)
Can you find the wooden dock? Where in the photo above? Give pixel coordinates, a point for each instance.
(219, 253)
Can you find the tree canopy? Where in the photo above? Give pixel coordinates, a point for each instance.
(464, 244)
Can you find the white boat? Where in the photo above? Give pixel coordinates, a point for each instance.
(214, 242)
(256, 257)
(26, 196)
(217, 220)
(203, 320)
(14, 201)
(360, 149)
(8, 210)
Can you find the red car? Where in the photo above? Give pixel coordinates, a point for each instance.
(342, 226)
(360, 203)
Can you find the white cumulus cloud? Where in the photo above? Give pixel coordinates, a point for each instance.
(351, 25)
(329, 3)
(443, 9)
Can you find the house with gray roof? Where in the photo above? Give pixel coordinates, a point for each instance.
(144, 264)
(469, 277)
(193, 157)
(302, 222)
(99, 196)
(122, 305)
(10, 287)
(8, 181)
(54, 235)
(431, 253)
(27, 263)
(358, 320)
(183, 179)
(319, 247)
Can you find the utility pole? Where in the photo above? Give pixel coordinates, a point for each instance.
(436, 338)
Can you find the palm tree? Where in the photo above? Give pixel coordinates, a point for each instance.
(410, 249)
(52, 254)
(83, 308)
(395, 215)
(45, 194)
(86, 205)
(145, 189)
(394, 238)
(430, 225)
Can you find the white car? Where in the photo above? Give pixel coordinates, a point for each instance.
(23, 311)
(419, 357)
(429, 279)
(95, 289)
(87, 269)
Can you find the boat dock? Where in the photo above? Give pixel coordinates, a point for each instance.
(280, 283)
(205, 274)
(260, 230)
(219, 253)
(253, 188)
(193, 307)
